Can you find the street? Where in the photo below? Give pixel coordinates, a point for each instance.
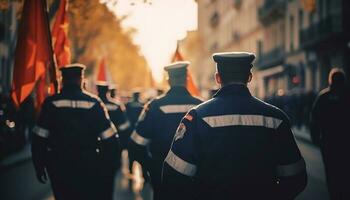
(316, 187)
(19, 182)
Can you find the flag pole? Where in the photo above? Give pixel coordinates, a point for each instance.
(53, 65)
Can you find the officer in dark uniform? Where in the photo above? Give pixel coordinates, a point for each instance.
(117, 113)
(233, 146)
(330, 130)
(134, 108)
(158, 122)
(75, 142)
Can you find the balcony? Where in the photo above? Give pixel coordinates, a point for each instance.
(271, 10)
(321, 31)
(270, 59)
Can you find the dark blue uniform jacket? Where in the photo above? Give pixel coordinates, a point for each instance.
(233, 146)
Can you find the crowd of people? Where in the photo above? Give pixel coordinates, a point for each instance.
(297, 105)
(232, 146)
(212, 152)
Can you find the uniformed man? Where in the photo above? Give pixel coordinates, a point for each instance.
(75, 142)
(158, 122)
(233, 146)
(134, 108)
(329, 129)
(117, 113)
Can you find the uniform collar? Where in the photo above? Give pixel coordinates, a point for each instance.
(178, 90)
(71, 88)
(103, 98)
(233, 89)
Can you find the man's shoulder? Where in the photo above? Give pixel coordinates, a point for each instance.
(203, 106)
(90, 97)
(158, 101)
(260, 107)
(269, 109)
(196, 100)
(82, 100)
(324, 93)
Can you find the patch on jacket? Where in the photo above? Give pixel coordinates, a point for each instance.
(188, 117)
(180, 132)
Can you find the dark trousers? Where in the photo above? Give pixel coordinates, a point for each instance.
(337, 173)
(78, 187)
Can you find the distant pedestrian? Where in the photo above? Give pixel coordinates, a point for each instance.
(75, 142)
(151, 140)
(117, 113)
(134, 108)
(233, 146)
(330, 129)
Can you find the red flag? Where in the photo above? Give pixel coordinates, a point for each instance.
(191, 87)
(60, 35)
(177, 55)
(33, 55)
(103, 75)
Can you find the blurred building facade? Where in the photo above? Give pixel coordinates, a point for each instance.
(297, 42)
(225, 26)
(8, 36)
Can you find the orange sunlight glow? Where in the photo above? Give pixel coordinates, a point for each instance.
(159, 25)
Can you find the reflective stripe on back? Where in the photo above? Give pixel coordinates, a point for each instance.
(176, 108)
(242, 120)
(180, 165)
(73, 104)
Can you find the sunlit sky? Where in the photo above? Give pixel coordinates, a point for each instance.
(159, 25)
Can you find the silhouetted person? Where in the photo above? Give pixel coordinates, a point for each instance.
(151, 140)
(75, 142)
(117, 113)
(330, 129)
(134, 108)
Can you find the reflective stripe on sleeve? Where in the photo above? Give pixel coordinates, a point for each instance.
(124, 126)
(242, 120)
(108, 132)
(111, 107)
(41, 132)
(73, 104)
(176, 108)
(138, 139)
(180, 165)
(291, 169)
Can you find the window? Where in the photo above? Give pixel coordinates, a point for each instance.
(301, 19)
(327, 7)
(237, 3)
(236, 36)
(214, 20)
(291, 30)
(214, 46)
(311, 17)
(320, 9)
